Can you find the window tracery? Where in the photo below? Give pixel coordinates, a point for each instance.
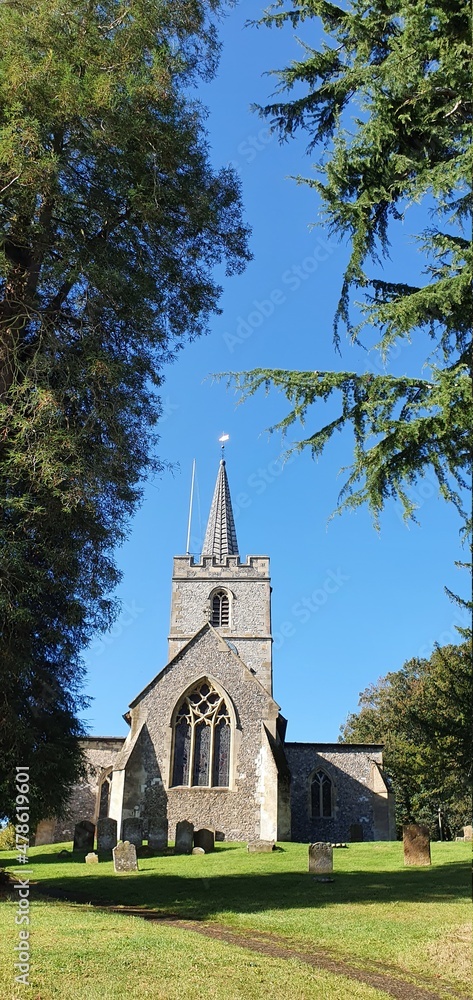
(202, 739)
(321, 795)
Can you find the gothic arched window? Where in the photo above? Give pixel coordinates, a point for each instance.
(321, 795)
(202, 736)
(104, 796)
(220, 609)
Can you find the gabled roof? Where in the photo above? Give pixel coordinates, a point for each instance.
(206, 627)
(220, 537)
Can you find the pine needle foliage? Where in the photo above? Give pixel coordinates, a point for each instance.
(112, 222)
(386, 101)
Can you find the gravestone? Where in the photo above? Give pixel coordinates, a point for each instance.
(320, 858)
(91, 859)
(260, 846)
(198, 850)
(416, 842)
(132, 831)
(84, 834)
(468, 833)
(184, 841)
(205, 838)
(356, 833)
(106, 834)
(158, 834)
(124, 857)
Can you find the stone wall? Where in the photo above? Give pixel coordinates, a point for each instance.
(350, 768)
(248, 585)
(238, 812)
(83, 801)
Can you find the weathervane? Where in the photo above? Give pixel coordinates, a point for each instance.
(222, 439)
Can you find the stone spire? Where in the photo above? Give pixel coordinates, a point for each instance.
(220, 538)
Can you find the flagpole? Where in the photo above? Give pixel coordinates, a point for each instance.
(190, 509)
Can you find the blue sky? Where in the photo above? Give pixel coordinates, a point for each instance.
(349, 604)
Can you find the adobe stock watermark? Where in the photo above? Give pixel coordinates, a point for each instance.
(128, 615)
(255, 485)
(250, 147)
(449, 637)
(308, 606)
(290, 281)
(167, 409)
(22, 885)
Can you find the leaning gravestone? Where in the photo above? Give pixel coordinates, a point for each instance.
(320, 858)
(416, 842)
(106, 834)
(356, 833)
(91, 859)
(132, 830)
(468, 833)
(84, 834)
(158, 834)
(124, 857)
(205, 838)
(260, 846)
(184, 841)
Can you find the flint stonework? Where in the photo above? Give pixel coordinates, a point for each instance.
(320, 858)
(416, 842)
(132, 830)
(84, 834)
(184, 841)
(124, 857)
(106, 834)
(158, 834)
(206, 839)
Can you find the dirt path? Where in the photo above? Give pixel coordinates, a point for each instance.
(373, 973)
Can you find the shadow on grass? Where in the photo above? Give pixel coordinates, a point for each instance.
(201, 897)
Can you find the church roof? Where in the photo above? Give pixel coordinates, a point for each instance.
(220, 538)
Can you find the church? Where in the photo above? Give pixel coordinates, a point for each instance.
(207, 739)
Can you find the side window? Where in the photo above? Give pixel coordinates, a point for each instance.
(104, 796)
(321, 796)
(220, 610)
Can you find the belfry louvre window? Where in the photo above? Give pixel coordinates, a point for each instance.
(220, 609)
(321, 796)
(202, 737)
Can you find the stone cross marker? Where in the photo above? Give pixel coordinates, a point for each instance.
(321, 858)
(206, 839)
(91, 859)
(124, 857)
(158, 834)
(84, 834)
(260, 846)
(184, 837)
(106, 834)
(132, 830)
(416, 842)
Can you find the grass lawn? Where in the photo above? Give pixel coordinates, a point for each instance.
(408, 922)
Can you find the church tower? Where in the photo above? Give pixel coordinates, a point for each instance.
(234, 596)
